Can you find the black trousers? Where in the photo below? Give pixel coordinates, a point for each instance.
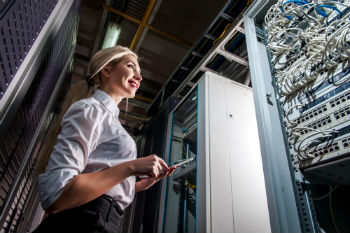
(100, 215)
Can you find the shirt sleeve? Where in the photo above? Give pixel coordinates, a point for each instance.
(79, 136)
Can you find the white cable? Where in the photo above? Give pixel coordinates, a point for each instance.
(308, 43)
(300, 73)
(287, 113)
(303, 148)
(324, 196)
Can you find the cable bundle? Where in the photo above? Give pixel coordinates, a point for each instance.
(309, 41)
(307, 37)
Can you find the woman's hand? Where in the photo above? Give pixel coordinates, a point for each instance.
(147, 182)
(152, 166)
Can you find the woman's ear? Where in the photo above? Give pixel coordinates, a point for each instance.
(105, 72)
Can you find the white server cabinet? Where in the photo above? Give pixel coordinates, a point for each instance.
(223, 189)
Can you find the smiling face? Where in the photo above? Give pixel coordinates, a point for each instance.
(123, 79)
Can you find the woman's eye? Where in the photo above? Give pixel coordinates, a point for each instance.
(131, 66)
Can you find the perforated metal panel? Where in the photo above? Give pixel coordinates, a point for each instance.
(20, 23)
(4, 6)
(17, 177)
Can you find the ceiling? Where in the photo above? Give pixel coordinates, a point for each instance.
(169, 33)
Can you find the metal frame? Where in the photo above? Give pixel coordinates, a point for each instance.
(218, 48)
(282, 196)
(166, 159)
(164, 181)
(161, 95)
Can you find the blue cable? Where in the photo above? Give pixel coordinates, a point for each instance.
(331, 7)
(322, 13)
(317, 8)
(287, 16)
(298, 2)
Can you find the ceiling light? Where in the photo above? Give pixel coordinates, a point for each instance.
(111, 36)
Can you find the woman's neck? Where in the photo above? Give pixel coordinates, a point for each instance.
(117, 98)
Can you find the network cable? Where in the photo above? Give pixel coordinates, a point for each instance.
(309, 41)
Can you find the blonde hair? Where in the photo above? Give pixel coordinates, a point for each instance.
(82, 89)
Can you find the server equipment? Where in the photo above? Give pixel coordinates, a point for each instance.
(222, 189)
(299, 60)
(37, 43)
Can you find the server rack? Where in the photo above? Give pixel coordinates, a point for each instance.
(303, 124)
(222, 189)
(36, 53)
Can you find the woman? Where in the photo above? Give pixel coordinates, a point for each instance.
(90, 176)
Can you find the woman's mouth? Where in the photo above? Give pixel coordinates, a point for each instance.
(134, 84)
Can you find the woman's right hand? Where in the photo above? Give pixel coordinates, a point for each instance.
(151, 165)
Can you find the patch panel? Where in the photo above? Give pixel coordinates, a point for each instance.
(323, 109)
(325, 97)
(315, 125)
(346, 142)
(337, 78)
(314, 113)
(336, 118)
(324, 82)
(315, 108)
(342, 113)
(341, 99)
(339, 147)
(314, 122)
(325, 124)
(322, 150)
(313, 145)
(320, 124)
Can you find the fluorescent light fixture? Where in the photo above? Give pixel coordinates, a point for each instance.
(111, 36)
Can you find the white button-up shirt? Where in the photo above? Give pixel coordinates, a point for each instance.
(91, 139)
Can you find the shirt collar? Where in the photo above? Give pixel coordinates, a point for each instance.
(107, 101)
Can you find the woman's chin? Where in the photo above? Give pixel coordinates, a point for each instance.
(131, 95)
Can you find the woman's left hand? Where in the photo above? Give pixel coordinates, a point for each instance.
(147, 182)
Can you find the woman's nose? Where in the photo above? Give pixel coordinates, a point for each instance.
(138, 76)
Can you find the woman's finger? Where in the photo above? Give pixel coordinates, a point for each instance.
(155, 171)
(163, 164)
(160, 168)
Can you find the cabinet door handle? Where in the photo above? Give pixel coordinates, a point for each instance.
(268, 98)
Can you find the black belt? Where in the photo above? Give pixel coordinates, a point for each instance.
(113, 203)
